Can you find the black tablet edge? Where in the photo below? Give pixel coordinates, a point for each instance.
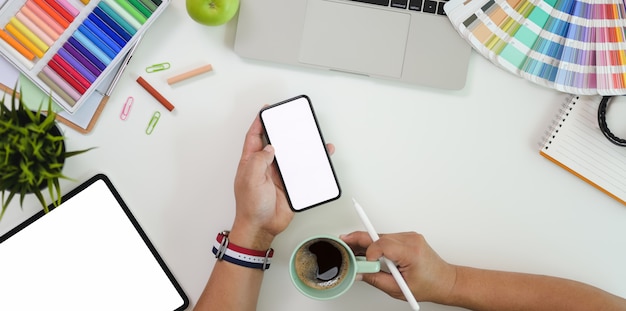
(130, 216)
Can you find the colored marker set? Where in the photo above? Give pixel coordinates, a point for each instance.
(574, 46)
(67, 47)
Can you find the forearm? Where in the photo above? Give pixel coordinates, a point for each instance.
(231, 287)
(485, 290)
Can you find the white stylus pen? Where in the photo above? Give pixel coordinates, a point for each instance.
(392, 267)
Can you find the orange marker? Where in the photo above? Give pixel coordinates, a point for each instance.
(22, 39)
(52, 13)
(16, 45)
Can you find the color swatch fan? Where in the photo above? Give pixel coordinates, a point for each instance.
(574, 46)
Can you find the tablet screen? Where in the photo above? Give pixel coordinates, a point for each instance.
(87, 254)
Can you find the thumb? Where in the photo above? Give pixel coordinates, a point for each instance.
(260, 161)
(263, 159)
(268, 154)
(385, 282)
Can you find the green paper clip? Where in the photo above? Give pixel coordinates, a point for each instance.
(153, 122)
(158, 67)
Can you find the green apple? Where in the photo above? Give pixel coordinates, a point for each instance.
(212, 12)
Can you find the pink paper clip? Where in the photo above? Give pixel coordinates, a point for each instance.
(126, 110)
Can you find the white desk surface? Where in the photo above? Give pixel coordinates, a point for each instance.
(461, 167)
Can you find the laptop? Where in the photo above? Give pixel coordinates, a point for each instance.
(411, 41)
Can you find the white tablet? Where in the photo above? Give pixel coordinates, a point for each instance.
(87, 254)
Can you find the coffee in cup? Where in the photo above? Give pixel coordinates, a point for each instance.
(322, 263)
(324, 267)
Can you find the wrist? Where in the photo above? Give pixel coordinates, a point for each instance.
(250, 237)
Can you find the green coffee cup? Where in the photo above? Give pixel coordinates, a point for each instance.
(324, 267)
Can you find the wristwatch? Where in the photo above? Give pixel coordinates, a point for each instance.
(224, 250)
(604, 103)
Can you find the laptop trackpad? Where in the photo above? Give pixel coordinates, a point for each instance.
(354, 38)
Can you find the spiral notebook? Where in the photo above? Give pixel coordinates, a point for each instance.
(574, 142)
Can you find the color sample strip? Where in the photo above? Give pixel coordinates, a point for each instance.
(515, 54)
(610, 45)
(575, 61)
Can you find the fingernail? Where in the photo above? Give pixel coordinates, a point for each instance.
(359, 277)
(268, 148)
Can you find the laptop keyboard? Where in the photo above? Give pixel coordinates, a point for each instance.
(426, 6)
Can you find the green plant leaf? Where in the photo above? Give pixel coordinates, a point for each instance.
(30, 156)
(75, 153)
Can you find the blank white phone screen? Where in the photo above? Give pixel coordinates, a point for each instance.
(301, 154)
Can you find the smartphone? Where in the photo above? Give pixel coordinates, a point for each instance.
(303, 162)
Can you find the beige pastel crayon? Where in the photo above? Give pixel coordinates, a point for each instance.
(189, 74)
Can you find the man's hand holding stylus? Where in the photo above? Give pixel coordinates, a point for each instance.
(429, 277)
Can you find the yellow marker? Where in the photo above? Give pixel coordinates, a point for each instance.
(29, 34)
(24, 41)
(17, 46)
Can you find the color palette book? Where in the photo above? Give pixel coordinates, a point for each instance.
(574, 46)
(68, 47)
